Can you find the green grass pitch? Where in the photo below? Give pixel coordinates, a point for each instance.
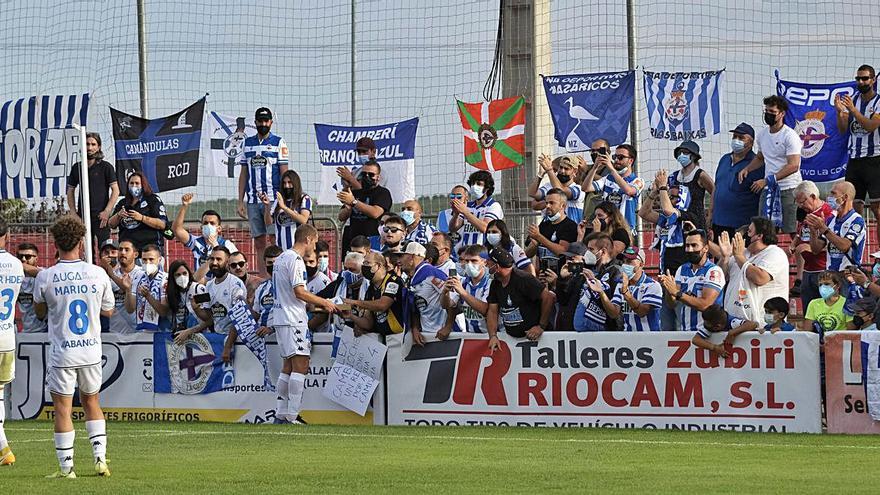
(166, 459)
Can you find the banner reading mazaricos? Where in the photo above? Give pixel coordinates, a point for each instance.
(395, 152)
(39, 145)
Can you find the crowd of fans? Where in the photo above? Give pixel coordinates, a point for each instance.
(717, 239)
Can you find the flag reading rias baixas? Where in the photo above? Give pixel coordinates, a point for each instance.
(494, 133)
(683, 106)
(39, 144)
(165, 149)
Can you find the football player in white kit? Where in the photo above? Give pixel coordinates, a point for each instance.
(11, 275)
(74, 295)
(292, 322)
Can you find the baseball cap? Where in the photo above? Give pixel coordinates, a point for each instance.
(568, 161)
(875, 254)
(865, 305)
(632, 253)
(365, 144)
(415, 249)
(501, 257)
(689, 146)
(263, 113)
(744, 128)
(109, 243)
(575, 249)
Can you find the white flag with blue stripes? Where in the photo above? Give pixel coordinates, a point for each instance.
(684, 106)
(39, 145)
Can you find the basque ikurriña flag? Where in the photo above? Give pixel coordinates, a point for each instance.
(165, 149)
(684, 106)
(494, 133)
(39, 144)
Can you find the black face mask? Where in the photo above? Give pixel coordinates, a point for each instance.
(367, 272)
(693, 257)
(310, 270)
(769, 118)
(563, 178)
(263, 130)
(367, 181)
(858, 321)
(287, 192)
(864, 89)
(113, 262)
(218, 272)
(269, 269)
(801, 215)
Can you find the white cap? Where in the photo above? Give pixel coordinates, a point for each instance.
(415, 248)
(875, 254)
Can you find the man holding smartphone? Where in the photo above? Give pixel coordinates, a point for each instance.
(551, 238)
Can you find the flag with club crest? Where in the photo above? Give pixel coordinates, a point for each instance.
(684, 106)
(494, 133)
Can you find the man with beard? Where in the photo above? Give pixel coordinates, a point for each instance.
(103, 189)
(238, 266)
(362, 208)
(697, 284)
(121, 274)
(225, 291)
(27, 253)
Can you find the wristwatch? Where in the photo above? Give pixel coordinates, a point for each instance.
(679, 294)
(354, 202)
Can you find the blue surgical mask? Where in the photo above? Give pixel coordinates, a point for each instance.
(208, 230)
(684, 159)
(876, 270)
(408, 216)
(323, 263)
(628, 270)
(826, 291)
(472, 270)
(555, 217)
(363, 159)
(350, 277)
(494, 239)
(737, 145)
(832, 202)
(135, 191)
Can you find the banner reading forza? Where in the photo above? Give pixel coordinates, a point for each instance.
(650, 380)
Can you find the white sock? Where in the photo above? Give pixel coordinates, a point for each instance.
(97, 430)
(3, 442)
(281, 398)
(64, 450)
(295, 394)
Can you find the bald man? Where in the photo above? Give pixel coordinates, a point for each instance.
(843, 234)
(417, 230)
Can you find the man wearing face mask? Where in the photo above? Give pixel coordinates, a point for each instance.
(121, 273)
(264, 296)
(348, 286)
(756, 270)
(385, 298)
(27, 253)
(560, 175)
(864, 314)
(426, 286)
(551, 238)
(843, 236)
(780, 156)
(322, 251)
(316, 280)
(417, 230)
(362, 208)
(145, 296)
(734, 204)
(637, 298)
(225, 290)
(443, 243)
(264, 160)
(212, 233)
(621, 186)
(516, 299)
(468, 295)
(860, 118)
(570, 283)
(599, 282)
(697, 284)
(473, 217)
(809, 264)
(366, 151)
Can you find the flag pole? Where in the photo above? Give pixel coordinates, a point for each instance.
(85, 207)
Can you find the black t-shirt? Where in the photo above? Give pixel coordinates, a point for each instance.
(329, 292)
(391, 321)
(360, 223)
(621, 235)
(137, 232)
(519, 304)
(101, 177)
(566, 230)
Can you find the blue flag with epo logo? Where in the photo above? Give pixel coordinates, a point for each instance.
(195, 367)
(812, 115)
(683, 106)
(165, 149)
(586, 107)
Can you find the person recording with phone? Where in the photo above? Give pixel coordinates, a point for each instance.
(362, 208)
(570, 284)
(140, 215)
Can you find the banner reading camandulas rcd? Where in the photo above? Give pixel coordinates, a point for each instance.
(769, 383)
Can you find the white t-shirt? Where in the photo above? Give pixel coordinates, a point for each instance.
(776, 148)
(11, 276)
(75, 293)
(224, 295)
(743, 299)
(289, 273)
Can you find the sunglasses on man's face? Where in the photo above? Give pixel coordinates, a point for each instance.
(26, 257)
(619, 157)
(369, 174)
(863, 78)
(390, 230)
(238, 265)
(456, 196)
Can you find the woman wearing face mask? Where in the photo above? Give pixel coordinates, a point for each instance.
(607, 219)
(826, 314)
(181, 290)
(292, 208)
(140, 215)
(693, 182)
(498, 235)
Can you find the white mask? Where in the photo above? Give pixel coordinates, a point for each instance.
(494, 239)
(472, 270)
(208, 230)
(769, 319)
(151, 268)
(182, 280)
(477, 191)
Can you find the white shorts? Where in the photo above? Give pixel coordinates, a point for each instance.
(293, 341)
(7, 367)
(63, 381)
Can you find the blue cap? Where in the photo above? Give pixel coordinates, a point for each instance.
(744, 128)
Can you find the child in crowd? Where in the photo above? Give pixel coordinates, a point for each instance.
(715, 320)
(825, 313)
(775, 315)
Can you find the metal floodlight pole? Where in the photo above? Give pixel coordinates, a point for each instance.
(84, 205)
(142, 55)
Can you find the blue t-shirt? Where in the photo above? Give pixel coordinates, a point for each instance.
(734, 204)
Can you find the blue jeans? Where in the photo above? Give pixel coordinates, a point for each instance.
(668, 318)
(809, 290)
(257, 221)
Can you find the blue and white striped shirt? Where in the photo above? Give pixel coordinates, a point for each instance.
(861, 142)
(668, 234)
(487, 211)
(732, 323)
(708, 276)
(263, 160)
(646, 291)
(474, 321)
(285, 226)
(421, 234)
(613, 193)
(200, 249)
(852, 227)
(574, 206)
